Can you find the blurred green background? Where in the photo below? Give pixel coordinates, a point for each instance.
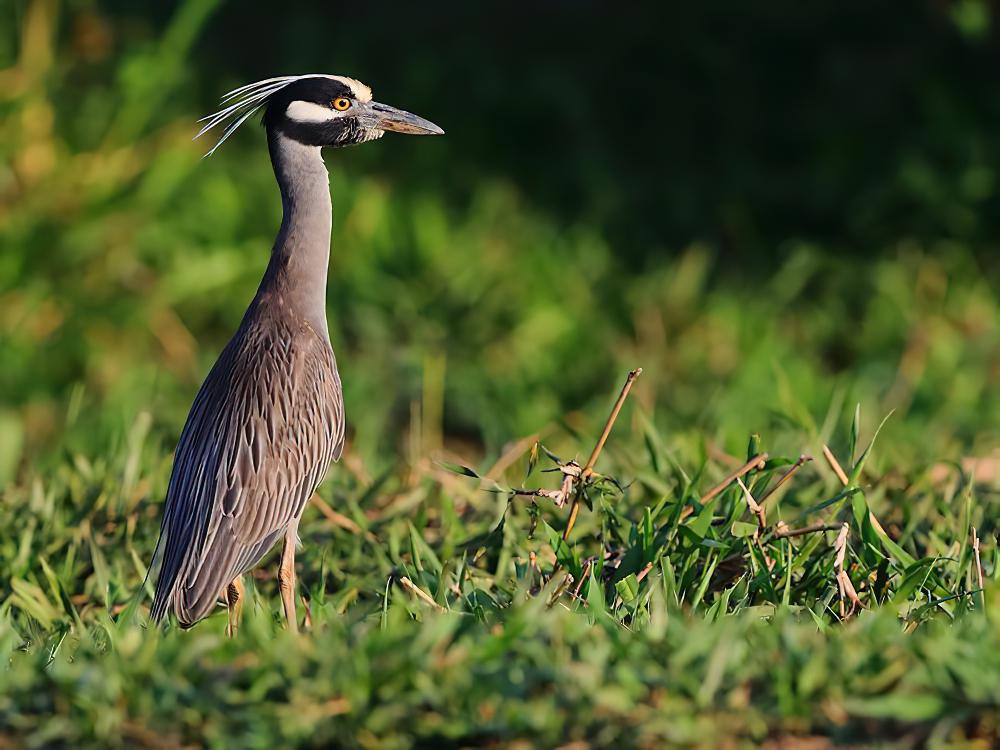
(773, 210)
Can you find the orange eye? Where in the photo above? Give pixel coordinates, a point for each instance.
(341, 104)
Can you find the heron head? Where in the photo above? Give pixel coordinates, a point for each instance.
(337, 111)
(316, 110)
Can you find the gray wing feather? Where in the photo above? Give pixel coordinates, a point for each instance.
(261, 434)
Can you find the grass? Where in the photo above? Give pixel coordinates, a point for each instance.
(482, 343)
(444, 608)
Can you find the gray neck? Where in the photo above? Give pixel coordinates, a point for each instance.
(296, 274)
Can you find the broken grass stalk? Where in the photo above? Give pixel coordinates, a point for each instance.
(588, 469)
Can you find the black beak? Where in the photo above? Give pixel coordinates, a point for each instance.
(398, 121)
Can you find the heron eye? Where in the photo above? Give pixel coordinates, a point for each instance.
(341, 104)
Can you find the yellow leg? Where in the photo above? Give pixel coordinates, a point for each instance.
(234, 598)
(286, 576)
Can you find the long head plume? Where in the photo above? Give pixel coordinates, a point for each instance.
(242, 103)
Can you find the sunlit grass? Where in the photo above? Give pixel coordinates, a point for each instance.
(442, 606)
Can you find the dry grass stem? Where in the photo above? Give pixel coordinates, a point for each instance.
(844, 585)
(803, 459)
(753, 505)
(584, 574)
(758, 511)
(835, 465)
(565, 583)
(418, 592)
(782, 531)
(588, 469)
(337, 519)
(644, 572)
(757, 462)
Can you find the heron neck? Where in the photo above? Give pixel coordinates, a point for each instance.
(296, 275)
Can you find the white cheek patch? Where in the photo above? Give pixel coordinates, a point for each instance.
(301, 111)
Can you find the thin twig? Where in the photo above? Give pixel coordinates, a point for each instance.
(757, 462)
(644, 572)
(803, 459)
(783, 532)
(418, 592)
(337, 519)
(588, 468)
(835, 465)
(584, 574)
(560, 588)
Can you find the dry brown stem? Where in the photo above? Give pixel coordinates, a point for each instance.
(835, 465)
(758, 511)
(588, 469)
(844, 585)
(418, 592)
(782, 531)
(757, 462)
(803, 459)
(337, 519)
(644, 572)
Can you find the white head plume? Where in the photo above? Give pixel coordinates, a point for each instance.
(242, 103)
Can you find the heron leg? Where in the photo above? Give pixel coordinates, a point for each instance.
(234, 598)
(286, 576)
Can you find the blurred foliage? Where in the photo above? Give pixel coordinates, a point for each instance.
(776, 212)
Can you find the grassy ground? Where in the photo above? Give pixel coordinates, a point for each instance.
(482, 344)
(444, 610)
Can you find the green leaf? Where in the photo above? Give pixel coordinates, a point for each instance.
(855, 474)
(821, 624)
(669, 580)
(628, 588)
(32, 600)
(458, 469)
(596, 604)
(913, 577)
(565, 555)
(827, 503)
(706, 577)
(702, 522)
(897, 705)
(648, 534)
(422, 553)
(855, 433)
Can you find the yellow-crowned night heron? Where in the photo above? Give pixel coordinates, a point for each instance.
(269, 419)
